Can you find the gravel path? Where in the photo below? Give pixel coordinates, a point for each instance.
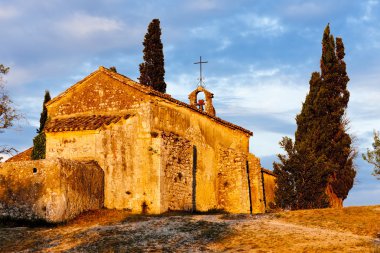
(196, 233)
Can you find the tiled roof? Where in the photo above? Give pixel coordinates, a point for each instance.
(148, 90)
(23, 156)
(80, 123)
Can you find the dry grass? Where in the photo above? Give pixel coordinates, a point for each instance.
(350, 229)
(363, 220)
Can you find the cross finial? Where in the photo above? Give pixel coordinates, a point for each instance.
(201, 83)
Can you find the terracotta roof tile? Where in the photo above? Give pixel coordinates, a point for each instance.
(23, 156)
(81, 123)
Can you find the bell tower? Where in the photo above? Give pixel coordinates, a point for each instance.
(202, 105)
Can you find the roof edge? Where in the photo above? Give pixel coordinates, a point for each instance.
(268, 172)
(150, 91)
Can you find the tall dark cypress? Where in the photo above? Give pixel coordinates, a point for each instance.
(39, 142)
(152, 71)
(43, 117)
(322, 155)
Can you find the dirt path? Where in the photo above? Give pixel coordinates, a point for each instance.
(198, 233)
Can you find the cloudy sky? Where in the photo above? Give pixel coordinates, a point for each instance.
(261, 55)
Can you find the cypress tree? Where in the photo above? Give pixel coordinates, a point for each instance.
(322, 154)
(43, 117)
(152, 71)
(39, 142)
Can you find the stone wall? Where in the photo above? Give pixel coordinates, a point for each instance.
(139, 161)
(257, 197)
(177, 176)
(52, 190)
(269, 188)
(208, 137)
(130, 159)
(128, 154)
(232, 181)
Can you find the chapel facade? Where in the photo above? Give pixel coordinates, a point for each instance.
(156, 153)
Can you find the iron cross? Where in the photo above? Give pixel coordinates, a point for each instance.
(201, 83)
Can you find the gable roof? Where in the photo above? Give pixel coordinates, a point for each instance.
(25, 155)
(80, 123)
(149, 91)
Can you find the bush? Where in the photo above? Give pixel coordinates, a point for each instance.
(39, 147)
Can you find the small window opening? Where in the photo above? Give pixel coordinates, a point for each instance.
(34, 170)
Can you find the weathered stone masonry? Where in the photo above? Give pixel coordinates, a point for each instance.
(54, 190)
(157, 153)
(177, 180)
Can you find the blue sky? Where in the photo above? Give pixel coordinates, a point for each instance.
(261, 55)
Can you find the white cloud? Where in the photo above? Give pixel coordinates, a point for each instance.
(273, 91)
(364, 107)
(222, 31)
(214, 33)
(210, 31)
(203, 5)
(268, 91)
(181, 86)
(261, 25)
(367, 14)
(305, 9)
(5, 157)
(265, 143)
(8, 12)
(224, 44)
(82, 25)
(368, 10)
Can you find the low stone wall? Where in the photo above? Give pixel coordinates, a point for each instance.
(52, 190)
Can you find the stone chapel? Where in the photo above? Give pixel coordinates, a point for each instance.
(114, 143)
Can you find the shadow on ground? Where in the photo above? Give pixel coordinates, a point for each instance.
(133, 234)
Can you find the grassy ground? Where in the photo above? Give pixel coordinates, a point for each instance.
(364, 220)
(352, 229)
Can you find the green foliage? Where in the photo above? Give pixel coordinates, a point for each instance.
(39, 147)
(322, 153)
(373, 156)
(44, 113)
(152, 71)
(39, 142)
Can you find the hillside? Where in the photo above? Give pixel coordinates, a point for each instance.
(352, 229)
